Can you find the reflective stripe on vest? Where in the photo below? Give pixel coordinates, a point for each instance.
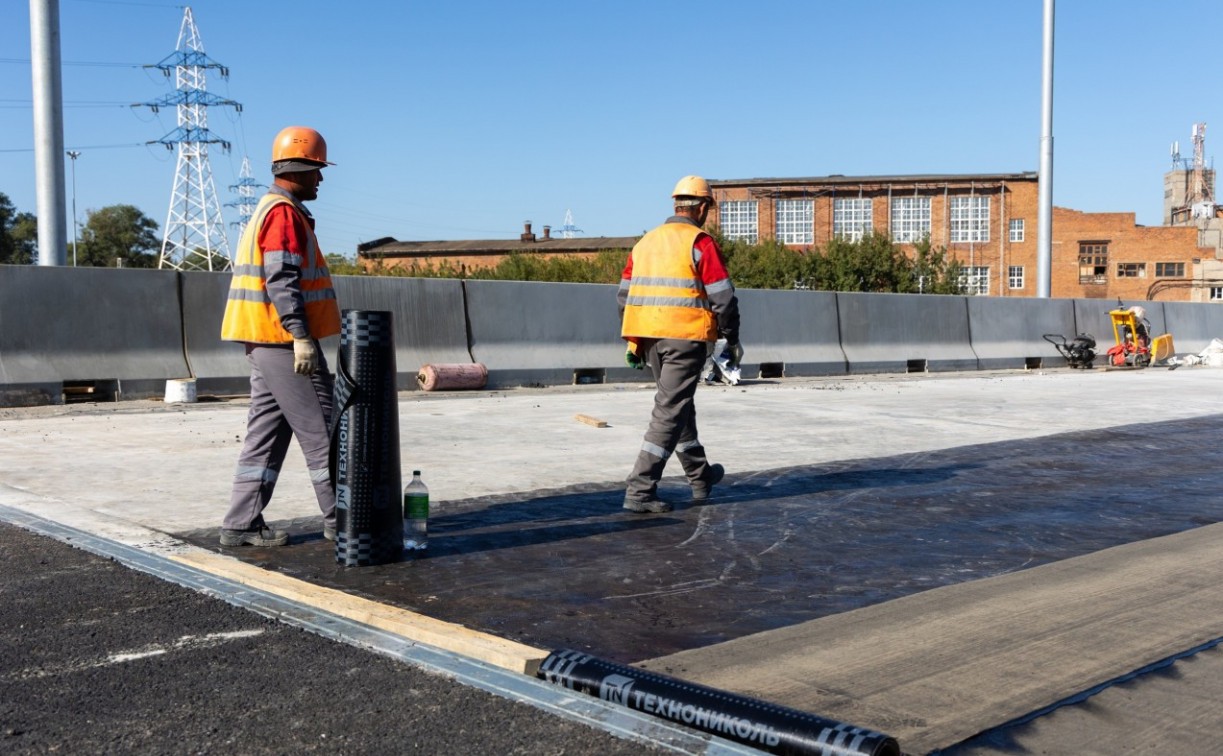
(666, 299)
(249, 312)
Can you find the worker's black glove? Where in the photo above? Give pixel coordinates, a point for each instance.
(632, 360)
(735, 352)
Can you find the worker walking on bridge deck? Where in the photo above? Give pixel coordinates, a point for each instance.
(281, 303)
(676, 299)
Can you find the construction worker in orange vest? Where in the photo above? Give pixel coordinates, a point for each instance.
(281, 303)
(675, 300)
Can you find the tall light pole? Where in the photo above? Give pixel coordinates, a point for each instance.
(74, 154)
(1044, 209)
(48, 130)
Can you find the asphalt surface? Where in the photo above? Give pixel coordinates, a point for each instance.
(99, 658)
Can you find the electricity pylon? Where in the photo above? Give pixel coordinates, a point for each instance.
(568, 230)
(195, 232)
(247, 201)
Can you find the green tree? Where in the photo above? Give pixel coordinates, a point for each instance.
(24, 234)
(198, 260)
(18, 234)
(339, 265)
(118, 233)
(872, 263)
(764, 265)
(933, 272)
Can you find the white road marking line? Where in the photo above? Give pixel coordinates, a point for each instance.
(185, 643)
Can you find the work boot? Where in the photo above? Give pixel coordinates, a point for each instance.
(329, 532)
(255, 535)
(702, 488)
(649, 505)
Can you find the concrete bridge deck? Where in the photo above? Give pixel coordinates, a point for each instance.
(932, 556)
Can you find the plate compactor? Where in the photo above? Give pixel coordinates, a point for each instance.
(1080, 352)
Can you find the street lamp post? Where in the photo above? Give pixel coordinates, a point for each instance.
(74, 154)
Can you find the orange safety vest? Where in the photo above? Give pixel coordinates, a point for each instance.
(666, 299)
(249, 312)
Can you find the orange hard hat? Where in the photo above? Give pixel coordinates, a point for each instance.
(300, 143)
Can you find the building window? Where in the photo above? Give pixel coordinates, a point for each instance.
(970, 219)
(1216, 293)
(1016, 226)
(851, 218)
(1169, 270)
(795, 221)
(1014, 276)
(1093, 262)
(738, 219)
(910, 219)
(1131, 270)
(975, 279)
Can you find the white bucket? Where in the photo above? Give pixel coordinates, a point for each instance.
(180, 390)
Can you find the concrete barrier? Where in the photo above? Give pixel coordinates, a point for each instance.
(87, 333)
(430, 326)
(791, 333)
(429, 319)
(528, 333)
(897, 333)
(1008, 332)
(1192, 326)
(219, 367)
(123, 333)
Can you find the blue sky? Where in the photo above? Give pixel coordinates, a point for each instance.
(463, 120)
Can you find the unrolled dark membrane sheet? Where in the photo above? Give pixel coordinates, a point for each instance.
(365, 442)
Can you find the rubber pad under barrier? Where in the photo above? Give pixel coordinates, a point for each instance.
(766, 726)
(364, 457)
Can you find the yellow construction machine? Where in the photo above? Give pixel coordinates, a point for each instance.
(1134, 347)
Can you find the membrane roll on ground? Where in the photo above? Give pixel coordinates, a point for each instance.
(762, 725)
(452, 376)
(365, 442)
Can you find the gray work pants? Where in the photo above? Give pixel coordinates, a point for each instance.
(283, 405)
(676, 365)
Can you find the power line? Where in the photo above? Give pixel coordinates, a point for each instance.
(81, 147)
(131, 2)
(83, 63)
(27, 104)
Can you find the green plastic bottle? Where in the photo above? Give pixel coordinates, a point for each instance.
(415, 514)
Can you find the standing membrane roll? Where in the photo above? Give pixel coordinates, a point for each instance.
(364, 455)
(762, 725)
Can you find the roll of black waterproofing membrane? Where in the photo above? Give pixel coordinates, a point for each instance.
(364, 456)
(762, 725)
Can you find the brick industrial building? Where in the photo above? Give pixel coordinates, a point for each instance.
(475, 254)
(986, 221)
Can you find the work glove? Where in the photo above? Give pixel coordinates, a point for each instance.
(632, 360)
(735, 353)
(305, 357)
